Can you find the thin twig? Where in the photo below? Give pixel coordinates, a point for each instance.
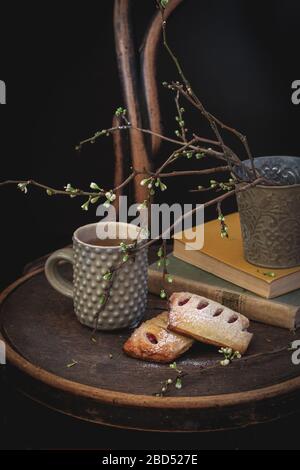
(205, 205)
(54, 191)
(127, 180)
(206, 171)
(180, 117)
(193, 99)
(167, 47)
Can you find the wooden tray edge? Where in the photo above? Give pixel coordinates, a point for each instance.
(140, 401)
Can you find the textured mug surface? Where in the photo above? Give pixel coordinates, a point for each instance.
(270, 215)
(128, 295)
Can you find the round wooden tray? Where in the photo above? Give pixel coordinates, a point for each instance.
(43, 337)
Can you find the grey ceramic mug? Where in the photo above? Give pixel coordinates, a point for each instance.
(128, 295)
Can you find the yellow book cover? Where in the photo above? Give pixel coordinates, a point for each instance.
(224, 257)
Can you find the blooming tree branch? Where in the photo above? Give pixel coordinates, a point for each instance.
(188, 145)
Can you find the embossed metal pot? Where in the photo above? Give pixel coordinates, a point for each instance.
(270, 215)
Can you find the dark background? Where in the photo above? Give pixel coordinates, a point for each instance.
(62, 85)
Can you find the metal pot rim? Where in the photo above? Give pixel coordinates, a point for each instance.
(283, 157)
(286, 186)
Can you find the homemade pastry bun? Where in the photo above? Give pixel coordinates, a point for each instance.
(208, 321)
(152, 341)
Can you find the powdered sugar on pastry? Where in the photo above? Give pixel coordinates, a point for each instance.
(208, 321)
(152, 341)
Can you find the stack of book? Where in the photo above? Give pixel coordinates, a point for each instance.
(220, 270)
(224, 258)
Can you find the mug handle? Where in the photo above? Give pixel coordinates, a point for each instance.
(54, 277)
